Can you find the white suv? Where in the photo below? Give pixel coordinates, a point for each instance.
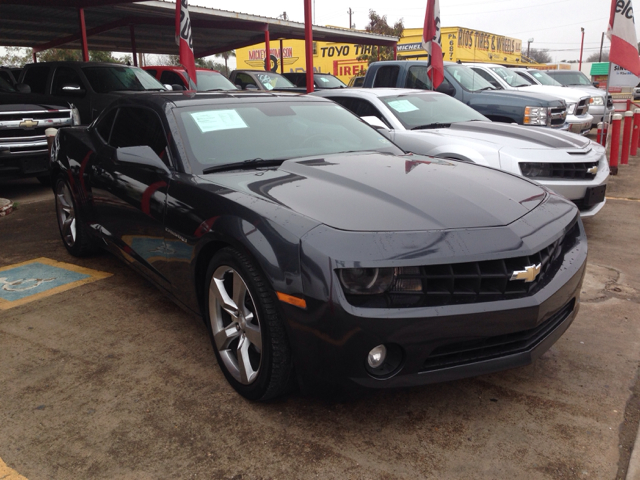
(578, 118)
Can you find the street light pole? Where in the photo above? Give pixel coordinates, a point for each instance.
(581, 47)
(529, 45)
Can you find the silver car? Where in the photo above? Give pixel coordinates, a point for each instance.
(431, 123)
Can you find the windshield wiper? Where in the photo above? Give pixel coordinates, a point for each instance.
(431, 125)
(246, 165)
(214, 90)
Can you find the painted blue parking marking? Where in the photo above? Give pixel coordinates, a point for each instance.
(24, 281)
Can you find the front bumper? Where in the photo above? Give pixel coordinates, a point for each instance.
(579, 124)
(24, 158)
(600, 114)
(331, 340)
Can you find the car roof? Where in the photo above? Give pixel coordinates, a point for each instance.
(79, 64)
(477, 64)
(177, 68)
(374, 92)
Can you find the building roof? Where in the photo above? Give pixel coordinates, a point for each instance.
(601, 68)
(43, 24)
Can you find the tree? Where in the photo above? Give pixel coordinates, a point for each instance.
(15, 56)
(595, 57)
(378, 24)
(540, 56)
(64, 55)
(232, 53)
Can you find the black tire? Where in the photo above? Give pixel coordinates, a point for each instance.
(73, 230)
(254, 334)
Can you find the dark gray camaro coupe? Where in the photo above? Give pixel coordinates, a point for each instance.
(316, 250)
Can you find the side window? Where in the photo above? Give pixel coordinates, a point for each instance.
(171, 78)
(418, 78)
(152, 72)
(6, 76)
(137, 126)
(36, 78)
(387, 76)
(103, 127)
(488, 77)
(65, 76)
(446, 87)
(243, 80)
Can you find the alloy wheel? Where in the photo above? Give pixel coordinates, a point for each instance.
(66, 214)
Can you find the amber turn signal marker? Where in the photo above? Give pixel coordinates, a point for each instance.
(295, 301)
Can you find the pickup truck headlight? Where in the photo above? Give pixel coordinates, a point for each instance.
(536, 115)
(596, 101)
(571, 108)
(75, 116)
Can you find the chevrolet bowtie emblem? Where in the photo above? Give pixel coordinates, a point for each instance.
(28, 123)
(593, 170)
(529, 273)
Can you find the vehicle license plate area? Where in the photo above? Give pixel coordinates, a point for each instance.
(594, 195)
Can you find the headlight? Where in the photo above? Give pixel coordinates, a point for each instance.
(364, 281)
(571, 107)
(536, 170)
(372, 281)
(75, 115)
(535, 116)
(599, 101)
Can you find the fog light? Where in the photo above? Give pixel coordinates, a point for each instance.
(377, 356)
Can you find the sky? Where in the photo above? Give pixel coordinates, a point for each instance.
(553, 24)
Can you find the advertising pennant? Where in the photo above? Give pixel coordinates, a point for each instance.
(431, 42)
(622, 33)
(184, 39)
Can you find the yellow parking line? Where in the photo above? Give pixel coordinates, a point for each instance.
(7, 473)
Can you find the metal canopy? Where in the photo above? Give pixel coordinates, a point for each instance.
(43, 24)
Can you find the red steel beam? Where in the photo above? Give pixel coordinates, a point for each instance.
(267, 47)
(308, 44)
(83, 33)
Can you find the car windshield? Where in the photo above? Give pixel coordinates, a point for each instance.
(571, 78)
(543, 78)
(208, 81)
(511, 77)
(6, 87)
(273, 80)
(468, 79)
(425, 109)
(233, 133)
(328, 81)
(117, 79)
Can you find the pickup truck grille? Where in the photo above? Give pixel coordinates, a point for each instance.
(558, 116)
(37, 115)
(582, 107)
(22, 131)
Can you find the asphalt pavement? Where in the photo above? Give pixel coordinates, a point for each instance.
(103, 377)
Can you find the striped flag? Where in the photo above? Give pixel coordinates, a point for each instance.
(622, 33)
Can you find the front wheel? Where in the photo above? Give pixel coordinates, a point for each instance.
(246, 329)
(73, 231)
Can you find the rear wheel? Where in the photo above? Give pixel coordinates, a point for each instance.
(246, 329)
(73, 230)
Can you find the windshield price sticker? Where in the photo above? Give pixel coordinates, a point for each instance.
(402, 106)
(214, 120)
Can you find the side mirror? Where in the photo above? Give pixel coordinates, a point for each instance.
(446, 88)
(23, 88)
(73, 90)
(142, 155)
(250, 86)
(596, 84)
(177, 87)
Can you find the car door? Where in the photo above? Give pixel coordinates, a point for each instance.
(129, 195)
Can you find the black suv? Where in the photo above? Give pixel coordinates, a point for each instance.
(89, 86)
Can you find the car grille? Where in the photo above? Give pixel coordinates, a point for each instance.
(582, 107)
(35, 115)
(478, 350)
(573, 171)
(471, 282)
(558, 116)
(23, 132)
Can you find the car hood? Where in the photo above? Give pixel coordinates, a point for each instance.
(570, 95)
(27, 102)
(506, 97)
(514, 136)
(379, 192)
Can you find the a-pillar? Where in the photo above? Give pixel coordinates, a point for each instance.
(83, 35)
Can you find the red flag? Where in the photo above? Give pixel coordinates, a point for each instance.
(622, 33)
(185, 40)
(432, 44)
